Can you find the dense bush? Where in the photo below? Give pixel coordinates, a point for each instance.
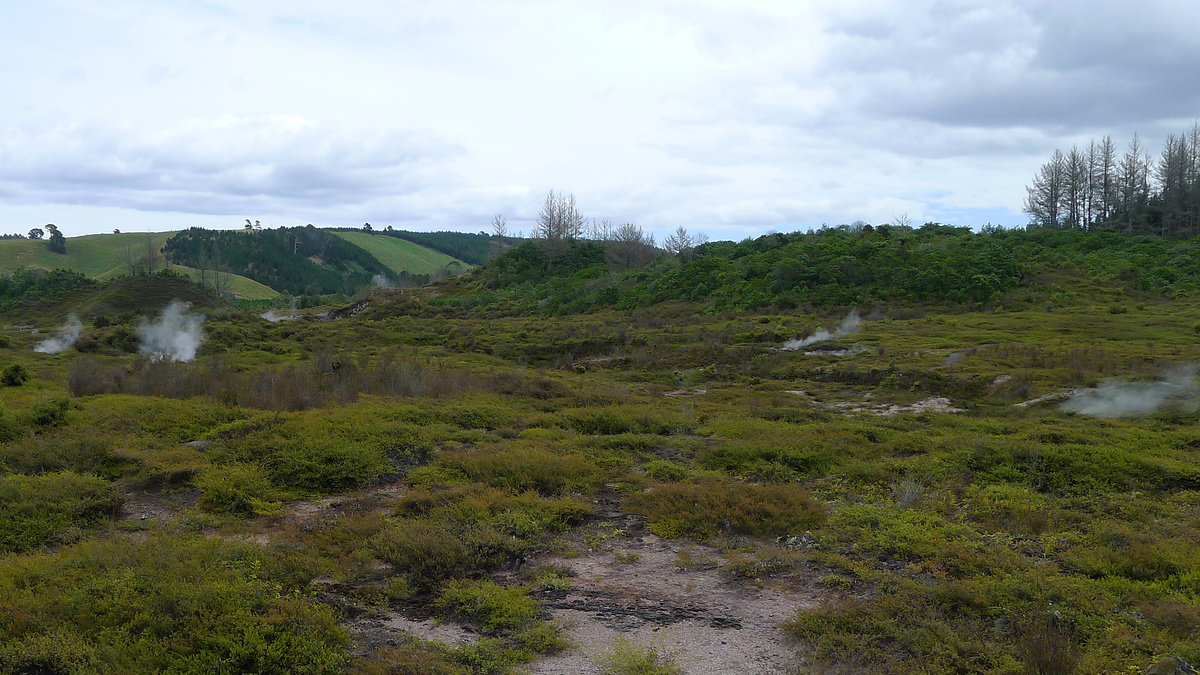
(35, 510)
(708, 508)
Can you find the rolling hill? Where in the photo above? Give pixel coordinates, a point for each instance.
(400, 255)
(265, 263)
(103, 256)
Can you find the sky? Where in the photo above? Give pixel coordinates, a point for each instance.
(729, 118)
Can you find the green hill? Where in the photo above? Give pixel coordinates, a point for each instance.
(400, 255)
(93, 255)
(104, 256)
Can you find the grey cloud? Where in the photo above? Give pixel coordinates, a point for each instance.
(1045, 65)
(226, 166)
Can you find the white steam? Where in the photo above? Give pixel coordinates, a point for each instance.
(848, 326)
(380, 281)
(1132, 399)
(176, 336)
(275, 316)
(67, 335)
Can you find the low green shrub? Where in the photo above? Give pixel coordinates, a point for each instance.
(707, 508)
(35, 510)
(242, 489)
(169, 604)
(49, 413)
(14, 375)
(489, 606)
(626, 657)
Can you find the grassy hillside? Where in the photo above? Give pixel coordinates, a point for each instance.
(296, 260)
(241, 287)
(94, 255)
(103, 256)
(401, 255)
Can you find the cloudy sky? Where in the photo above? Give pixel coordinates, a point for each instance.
(731, 118)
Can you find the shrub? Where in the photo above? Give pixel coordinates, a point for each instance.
(166, 605)
(524, 469)
(237, 488)
(50, 413)
(707, 508)
(486, 604)
(327, 464)
(14, 375)
(629, 658)
(10, 428)
(35, 510)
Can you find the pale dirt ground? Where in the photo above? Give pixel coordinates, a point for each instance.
(708, 625)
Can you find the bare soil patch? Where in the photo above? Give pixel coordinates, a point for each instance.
(706, 622)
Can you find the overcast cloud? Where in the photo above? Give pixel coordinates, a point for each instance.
(732, 118)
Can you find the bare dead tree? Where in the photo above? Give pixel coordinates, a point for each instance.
(500, 230)
(558, 225)
(630, 247)
(679, 243)
(153, 257)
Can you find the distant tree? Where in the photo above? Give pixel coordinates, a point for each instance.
(116, 232)
(1075, 189)
(152, 260)
(367, 227)
(558, 225)
(500, 230)
(388, 229)
(1133, 188)
(630, 247)
(679, 243)
(214, 274)
(249, 225)
(36, 233)
(57, 242)
(1044, 200)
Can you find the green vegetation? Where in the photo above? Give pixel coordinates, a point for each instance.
(628, 658)
(422, 454)
(469, 247)
(410, 264)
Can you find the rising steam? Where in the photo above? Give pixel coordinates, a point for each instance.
(848, 326)
(67, 335)
(275, 316)
(1130, 399)
(176, 336)
(380, 281)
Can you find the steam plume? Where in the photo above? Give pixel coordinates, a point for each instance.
(67, 335)
(1127, 399)
(176, 336)
(275, 316)
(848, 326)
(380, 281)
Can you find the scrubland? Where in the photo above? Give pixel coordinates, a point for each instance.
(246, 512)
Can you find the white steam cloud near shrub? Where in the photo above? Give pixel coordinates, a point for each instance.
(176, 336)
(380, 281)
(1177, 390)
(849, 325)
(275, 316)
(67, 335)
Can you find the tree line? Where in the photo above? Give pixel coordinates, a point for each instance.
(1093, 188)
(561, 224)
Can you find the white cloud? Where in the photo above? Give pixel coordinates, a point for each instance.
(730, 117)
